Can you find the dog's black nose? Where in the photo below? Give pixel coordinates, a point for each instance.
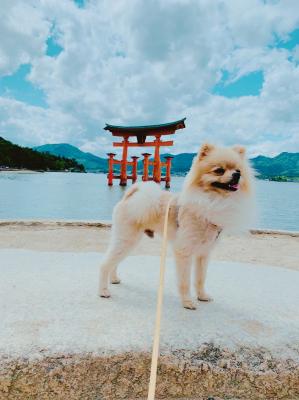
(236, 176)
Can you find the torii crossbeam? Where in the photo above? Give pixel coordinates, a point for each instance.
(141, 133)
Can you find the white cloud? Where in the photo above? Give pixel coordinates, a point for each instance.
(29, 125)
(23, 30)
(137, 62)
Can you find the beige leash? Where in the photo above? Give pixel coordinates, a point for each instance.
(155, 352)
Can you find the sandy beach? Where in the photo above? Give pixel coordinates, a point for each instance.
(276, 249)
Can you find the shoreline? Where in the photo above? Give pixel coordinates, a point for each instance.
(31, 171)
(108, 224)
(28, 171)
(267, 247)
(20, 171)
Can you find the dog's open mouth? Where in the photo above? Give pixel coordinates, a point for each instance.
(230, 186)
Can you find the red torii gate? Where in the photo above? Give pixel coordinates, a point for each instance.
(141, 133)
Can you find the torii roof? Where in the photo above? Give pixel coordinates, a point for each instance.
(144, 130)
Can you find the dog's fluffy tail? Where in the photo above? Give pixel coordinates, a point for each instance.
(141, 201)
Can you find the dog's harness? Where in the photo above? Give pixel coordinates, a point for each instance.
(219, 230)
(150, 233)
(209, 224)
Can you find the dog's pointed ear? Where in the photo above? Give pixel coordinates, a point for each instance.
(205, 149)
(240, 150)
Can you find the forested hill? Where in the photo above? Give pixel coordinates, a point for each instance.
(14, 156)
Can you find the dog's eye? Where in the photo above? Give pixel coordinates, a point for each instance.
(219, 171)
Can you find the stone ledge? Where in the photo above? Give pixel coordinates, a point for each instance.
(60, 341)
(208, 372)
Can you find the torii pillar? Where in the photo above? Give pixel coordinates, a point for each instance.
(123, 168)
(145, 166)
(168, 168)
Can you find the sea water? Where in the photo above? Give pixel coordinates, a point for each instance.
(77, 196)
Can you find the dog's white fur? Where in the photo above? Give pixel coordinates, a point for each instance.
(196, 216)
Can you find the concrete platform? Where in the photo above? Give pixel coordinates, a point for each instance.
(52, 320)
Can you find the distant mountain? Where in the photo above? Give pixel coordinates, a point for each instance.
(90, 161)
(283, 166)
(181, 163)
(14, 156)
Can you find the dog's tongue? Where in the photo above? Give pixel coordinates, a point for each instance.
(235, 186)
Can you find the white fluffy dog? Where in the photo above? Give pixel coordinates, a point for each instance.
(217, 195)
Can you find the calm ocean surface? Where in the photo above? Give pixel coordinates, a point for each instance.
(53, 195)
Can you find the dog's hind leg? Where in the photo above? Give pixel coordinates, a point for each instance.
(183, 267)
(201, 266)
(114, 279)
(119, 248)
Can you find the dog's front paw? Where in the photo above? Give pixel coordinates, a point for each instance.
(104, 293)
(203, 296)
(189, 305)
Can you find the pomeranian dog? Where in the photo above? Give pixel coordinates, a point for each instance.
(217, 196)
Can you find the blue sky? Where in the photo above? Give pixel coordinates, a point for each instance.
(234, 79)
(53, 47)
(247, 85)
(289, 43)
(80, 3)
(18, 87)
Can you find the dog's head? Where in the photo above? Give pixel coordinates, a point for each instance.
(221, 171)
